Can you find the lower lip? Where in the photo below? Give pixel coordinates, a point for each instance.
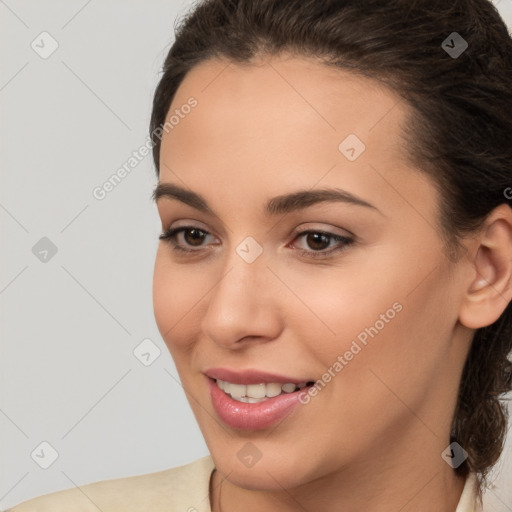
(242, 416)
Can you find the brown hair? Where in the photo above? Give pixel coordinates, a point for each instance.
(459, 130)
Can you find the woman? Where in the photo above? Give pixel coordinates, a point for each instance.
(335, 270)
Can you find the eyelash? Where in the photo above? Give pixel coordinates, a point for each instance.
(169, 236)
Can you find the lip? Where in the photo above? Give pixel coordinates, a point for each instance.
(245, 416)
(251, 376)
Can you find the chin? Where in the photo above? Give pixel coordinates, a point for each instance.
(278, 469)
(262, 477)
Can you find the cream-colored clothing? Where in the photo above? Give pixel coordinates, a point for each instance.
(180, 489)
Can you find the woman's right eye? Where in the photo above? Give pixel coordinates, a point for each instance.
(190, 234)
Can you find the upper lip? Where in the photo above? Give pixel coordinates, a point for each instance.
(251, 376)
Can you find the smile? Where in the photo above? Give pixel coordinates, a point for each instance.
(254, 406)
(255, 393)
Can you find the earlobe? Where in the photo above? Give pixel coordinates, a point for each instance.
(489, 289)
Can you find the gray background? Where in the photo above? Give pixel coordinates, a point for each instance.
(70, 324)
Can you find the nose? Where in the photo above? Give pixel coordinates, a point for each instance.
(244, 306)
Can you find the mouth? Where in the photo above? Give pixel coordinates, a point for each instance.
(260, 392)
(255, 400)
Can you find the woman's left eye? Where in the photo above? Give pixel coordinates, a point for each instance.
(323, 238)
(318, 240)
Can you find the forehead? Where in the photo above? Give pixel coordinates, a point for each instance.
(283, 120)
(277, 92)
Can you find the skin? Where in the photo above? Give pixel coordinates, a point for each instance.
(372, 438)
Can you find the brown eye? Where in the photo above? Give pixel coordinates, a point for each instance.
(317, 241)
(191, 237)
(195, 238)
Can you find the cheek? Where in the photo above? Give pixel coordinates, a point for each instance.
(380, 315)
(177, 291)
(332, 306)
(402, 361)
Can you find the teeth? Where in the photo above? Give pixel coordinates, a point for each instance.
(273, 389)
(237, 390)
(255, 393)
(256, 390)
(249, 400)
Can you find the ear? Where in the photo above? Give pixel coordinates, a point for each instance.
(489, 287)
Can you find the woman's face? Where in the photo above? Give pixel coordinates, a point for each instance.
(372, 317)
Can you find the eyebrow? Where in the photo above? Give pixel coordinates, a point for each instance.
(285, 203)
